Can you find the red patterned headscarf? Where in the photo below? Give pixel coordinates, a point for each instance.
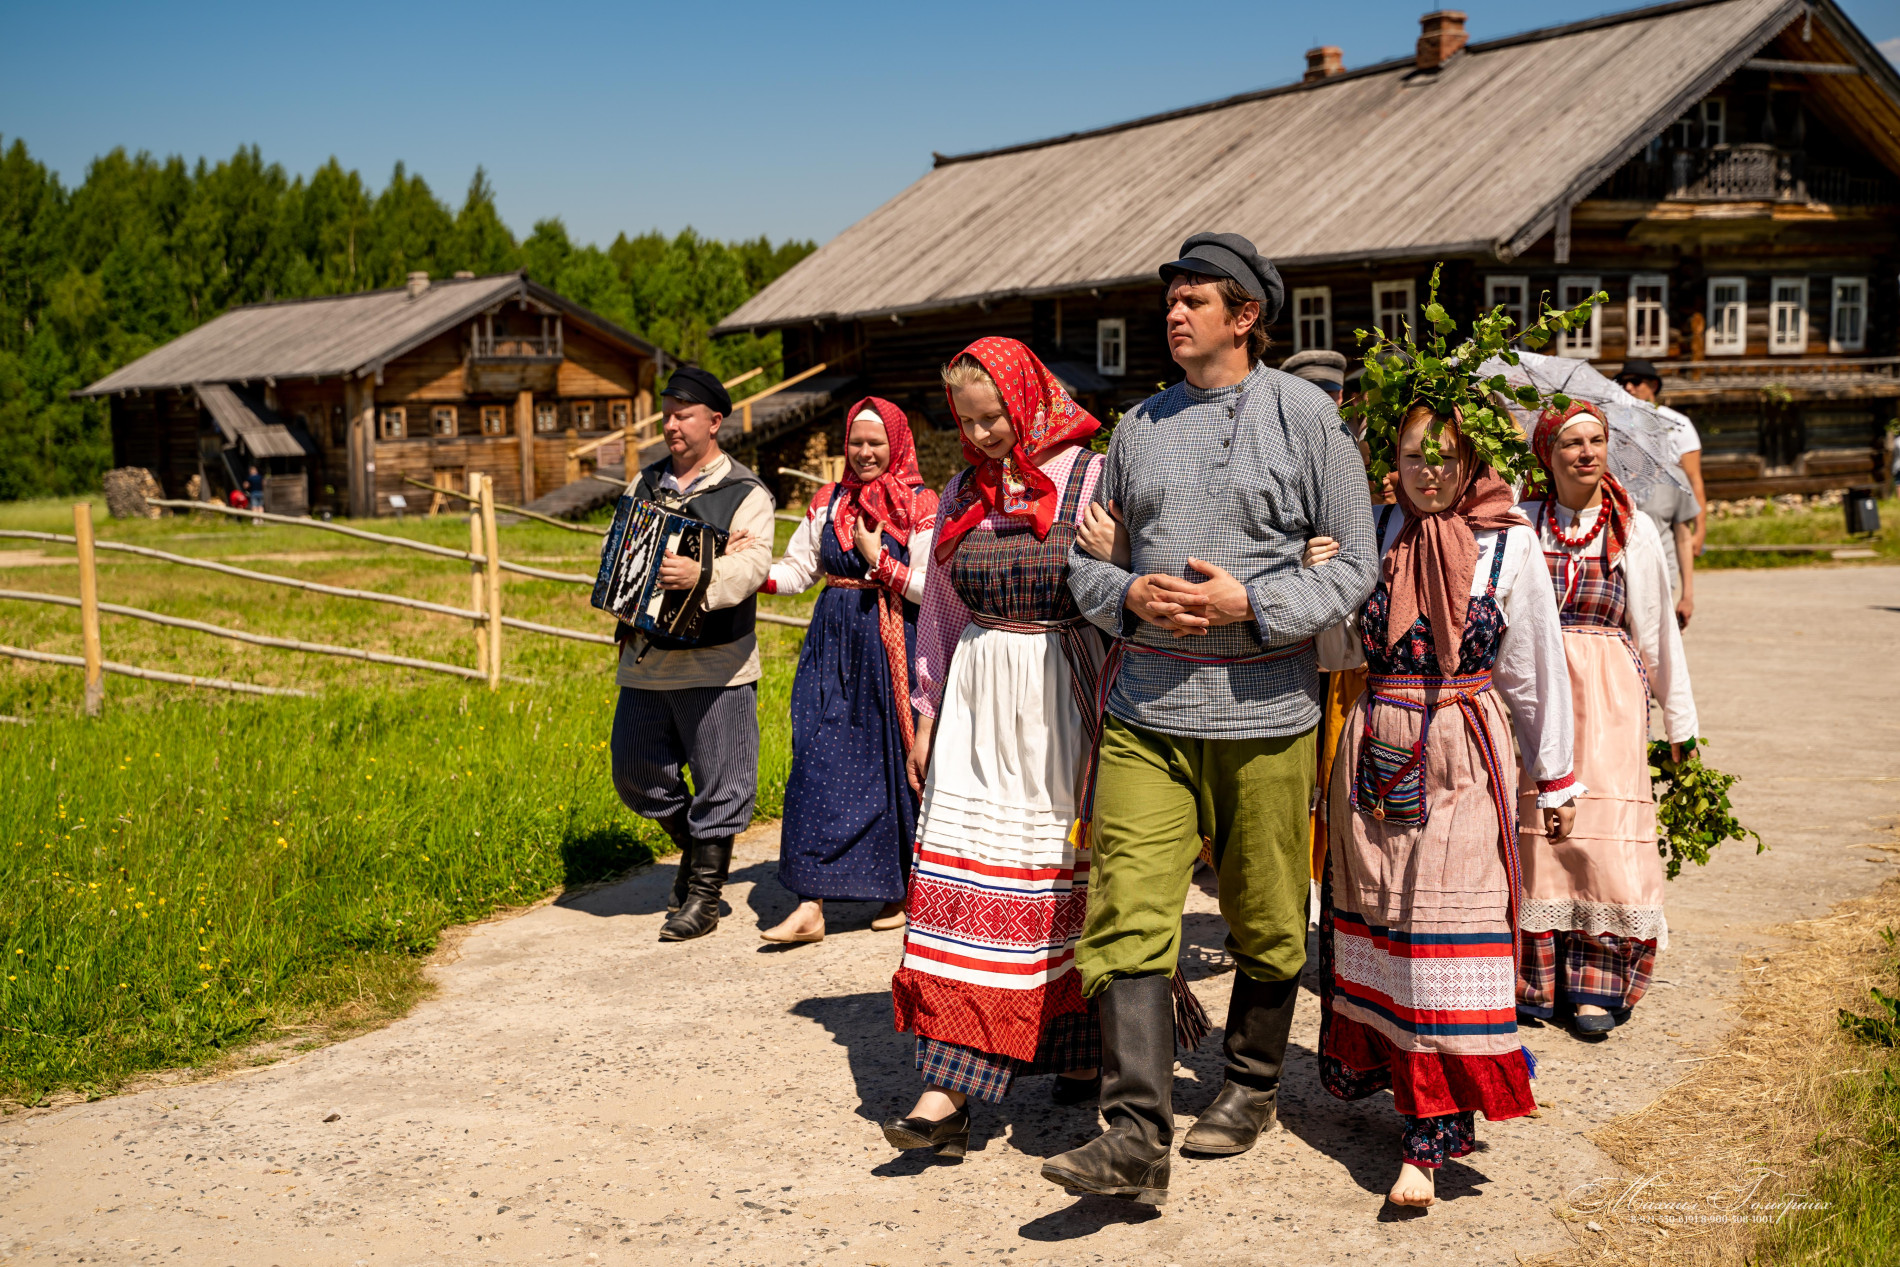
(1430, 566)
(1043, 416)
(1617, 507)
(896, 499)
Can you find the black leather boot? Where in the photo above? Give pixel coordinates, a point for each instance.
(699, 913)
(1259, 1019)
(1131, 1158)
(674, 825)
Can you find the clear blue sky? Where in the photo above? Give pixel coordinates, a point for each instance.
(739, 118)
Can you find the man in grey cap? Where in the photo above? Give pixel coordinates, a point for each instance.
(1322, 367)
(1220, 481)
(696, 705)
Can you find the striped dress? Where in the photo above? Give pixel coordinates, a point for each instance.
(997, 891)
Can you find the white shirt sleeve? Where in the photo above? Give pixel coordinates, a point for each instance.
(795, 573)
(736, 577)
(1650, 617)
(920, 563)
(1531, 673)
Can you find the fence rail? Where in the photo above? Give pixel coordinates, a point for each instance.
(151, 675)
(484, 612)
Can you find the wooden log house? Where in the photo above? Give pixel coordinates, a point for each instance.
(1724, 169)
(339, 401)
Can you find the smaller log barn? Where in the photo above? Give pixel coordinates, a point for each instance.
(1727, 170)
(336, 400)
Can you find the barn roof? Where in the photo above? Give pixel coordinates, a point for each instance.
(247, 422)
(1384, 162)
(337, 335)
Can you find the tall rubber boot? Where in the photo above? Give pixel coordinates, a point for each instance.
(1131, 1158)
(674, 825)
(1259, 1019)
(699, 913)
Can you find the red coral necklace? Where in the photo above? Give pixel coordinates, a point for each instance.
(1578, 542)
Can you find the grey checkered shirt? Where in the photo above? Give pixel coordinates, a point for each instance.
(1242, 477)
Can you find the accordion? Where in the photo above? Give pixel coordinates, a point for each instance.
(628, 586)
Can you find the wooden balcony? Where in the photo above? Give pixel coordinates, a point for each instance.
(1745, 173)
(501, 362)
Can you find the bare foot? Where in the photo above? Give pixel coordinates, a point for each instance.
(1590, 1009)
(1414, 1186)
(890, 915)
(1080, 1075)
(806, 919)
(936, 1104)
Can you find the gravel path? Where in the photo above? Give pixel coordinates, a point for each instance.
(578, 1091)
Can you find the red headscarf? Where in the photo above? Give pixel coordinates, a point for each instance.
(1043, 416)
(896, 499)
(1430, 566)
(1614, 516)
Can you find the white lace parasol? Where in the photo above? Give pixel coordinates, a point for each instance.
(1642, 449)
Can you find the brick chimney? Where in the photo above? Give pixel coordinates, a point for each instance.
(1441, 34)
(1323, 63)
(418, 282)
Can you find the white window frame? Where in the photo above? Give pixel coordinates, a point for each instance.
(1657, 341)
(440, 414)
(496, 415)
(1835, 310)
(1407, 309)
(1787, 321)
(392, 423)
(1519, 312)
(1725, 346)
(1313, 329)
(1714, 122)
(547, 417)
(1111, 347)
(1585, 344)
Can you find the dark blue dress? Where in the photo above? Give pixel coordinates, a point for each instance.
(850, 815)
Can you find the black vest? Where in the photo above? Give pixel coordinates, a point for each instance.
(715, 504)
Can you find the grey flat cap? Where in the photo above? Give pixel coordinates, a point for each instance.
(1230, 255)
(1318, 365)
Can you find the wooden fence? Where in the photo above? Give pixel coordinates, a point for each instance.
(484, 613)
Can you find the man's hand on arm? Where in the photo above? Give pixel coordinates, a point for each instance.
(1168, 603)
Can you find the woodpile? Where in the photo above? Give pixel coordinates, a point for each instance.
(127, 488)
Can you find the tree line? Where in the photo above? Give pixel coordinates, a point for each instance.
(143, 250)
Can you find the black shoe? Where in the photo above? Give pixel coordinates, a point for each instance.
(1067, 1091)
(1594, 1025)
(1259, 1020)
(1131, 1158)
(950, 1136)
(674, 825)
(699, 913)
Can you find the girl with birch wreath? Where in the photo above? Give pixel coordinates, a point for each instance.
(1419, 904)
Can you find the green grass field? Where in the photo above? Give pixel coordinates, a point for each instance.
(196, 871)
(1799, 527)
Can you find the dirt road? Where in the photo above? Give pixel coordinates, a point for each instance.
(578, 1091)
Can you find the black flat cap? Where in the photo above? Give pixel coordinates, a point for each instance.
(696, 387)
(1637, 367)
(1230, 255)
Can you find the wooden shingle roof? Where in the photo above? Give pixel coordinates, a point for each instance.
(337, 335)
(1385, 162)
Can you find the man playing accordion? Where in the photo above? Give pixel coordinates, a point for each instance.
(696, 703)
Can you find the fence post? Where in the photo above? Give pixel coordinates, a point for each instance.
(476, 599)
(89, 609)
(491, 547)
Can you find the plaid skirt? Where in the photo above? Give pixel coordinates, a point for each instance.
(1605, 971)
(1070, 1042)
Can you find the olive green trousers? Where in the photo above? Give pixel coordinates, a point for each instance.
(1156, 796)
